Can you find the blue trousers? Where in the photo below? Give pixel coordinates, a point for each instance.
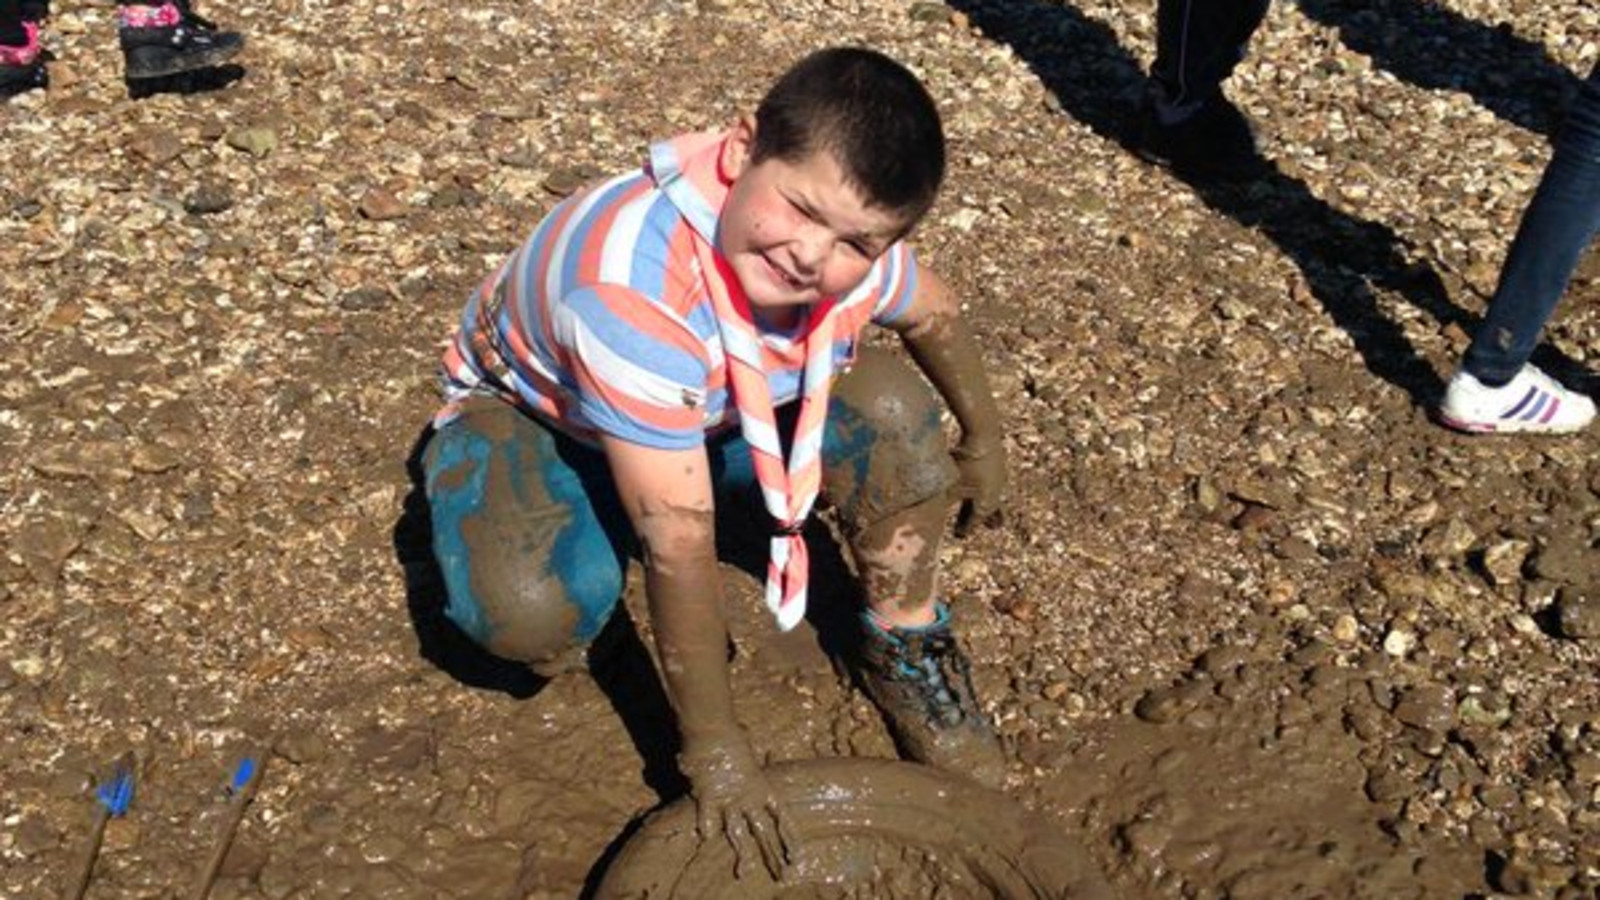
(534, 543)
(1557, 226)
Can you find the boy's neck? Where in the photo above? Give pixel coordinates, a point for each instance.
(782, 319)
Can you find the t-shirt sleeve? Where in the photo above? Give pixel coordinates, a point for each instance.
(638, 370)
(893, 279)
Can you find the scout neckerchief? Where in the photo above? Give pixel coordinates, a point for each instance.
(687, 171)
(789, 492)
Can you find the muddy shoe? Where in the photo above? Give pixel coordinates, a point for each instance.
(171, 38)
(921, 680)
(21, 66)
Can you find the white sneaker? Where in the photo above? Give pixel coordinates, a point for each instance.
(1531, 402)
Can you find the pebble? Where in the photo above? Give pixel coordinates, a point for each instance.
(1579, 615)
(1486, 710)
(1564, 559)
(1503, 560)
(364, 299)
(1398, 643)
(1346, 629)
(157, 147)
(1429, 706)
(1523, 624)
(209, 198)
(379, 205)
(259, 142)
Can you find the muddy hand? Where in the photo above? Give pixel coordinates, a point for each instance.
(733, 798)
(980, 488)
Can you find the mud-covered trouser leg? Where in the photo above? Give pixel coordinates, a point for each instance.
(1559, 224)
(1198, 44)
(528, 532)
(887, 472)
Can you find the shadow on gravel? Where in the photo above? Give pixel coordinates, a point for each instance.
(1437, 48)
(1344, 258)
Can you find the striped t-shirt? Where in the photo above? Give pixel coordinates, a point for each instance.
(602, 322)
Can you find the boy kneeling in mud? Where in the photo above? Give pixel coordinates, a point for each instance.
(597, 377)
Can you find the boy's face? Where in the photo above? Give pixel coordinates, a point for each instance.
(796, 232)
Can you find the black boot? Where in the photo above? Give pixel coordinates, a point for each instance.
(921, 681)
(171, 38)
(1213, 142)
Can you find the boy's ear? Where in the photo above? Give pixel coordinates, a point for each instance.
(736, 150)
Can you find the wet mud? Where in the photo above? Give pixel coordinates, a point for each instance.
(867, 828)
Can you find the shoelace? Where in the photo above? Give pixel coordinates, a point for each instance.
(937, 667)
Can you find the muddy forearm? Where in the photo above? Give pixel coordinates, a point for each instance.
(946, 351)
(685, 595)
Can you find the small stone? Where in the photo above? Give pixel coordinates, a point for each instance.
(1585, 768)
(158, 147)
(1430, 707)
(1503, 560)
(45, 545)
(1023, 610)
(28, 666)
(379, 205)
(85, 459)
(1523, 624)
(520, 157)
(1579, 615)
(259, 142)
(209, 198)
(1564, 559)
(568, 179)
(1448, 540)
(1398, 643)
(146, 525)
(1254, 517)
(1488, 711)
(1295, 549)
(364, 299)
(154, 458)
(1346, 629)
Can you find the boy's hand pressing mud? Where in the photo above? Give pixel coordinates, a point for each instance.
(734, 799)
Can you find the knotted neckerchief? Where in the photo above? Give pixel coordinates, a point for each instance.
(789, 492)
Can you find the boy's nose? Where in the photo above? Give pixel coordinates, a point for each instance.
(811, 248)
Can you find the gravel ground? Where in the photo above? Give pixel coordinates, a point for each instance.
(1254, 627)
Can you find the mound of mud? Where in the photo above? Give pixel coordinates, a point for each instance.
(867, 827)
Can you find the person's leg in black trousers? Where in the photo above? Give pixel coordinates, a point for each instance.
(1188, 122)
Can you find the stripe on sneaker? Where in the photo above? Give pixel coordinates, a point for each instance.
(1555, 404)
(1538, 404)
(1512, 412)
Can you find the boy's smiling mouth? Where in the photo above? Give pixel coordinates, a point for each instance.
(782, 276)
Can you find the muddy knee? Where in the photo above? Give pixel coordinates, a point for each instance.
(884, 448)
(527, 576)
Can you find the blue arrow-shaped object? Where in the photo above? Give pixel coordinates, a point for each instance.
(114, 796)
